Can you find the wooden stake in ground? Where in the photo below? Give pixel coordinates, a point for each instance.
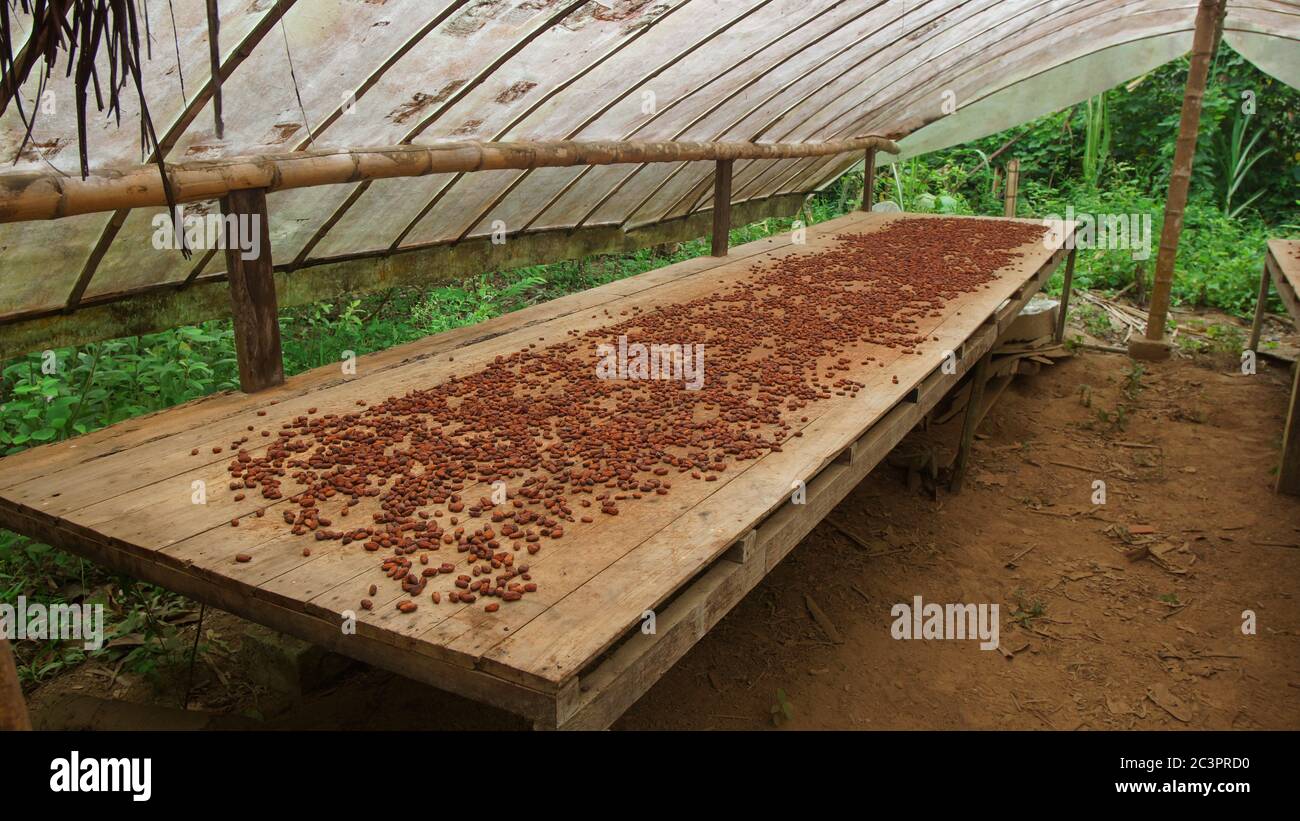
(13, 710)
(1209, 24)
(1013, 188)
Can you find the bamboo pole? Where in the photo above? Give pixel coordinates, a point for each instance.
(40, 195)
(1013, 188)
(1209, 22)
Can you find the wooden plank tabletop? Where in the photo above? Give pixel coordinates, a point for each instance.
(128, 489)
(1284, 265)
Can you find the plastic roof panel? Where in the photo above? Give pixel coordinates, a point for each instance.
(356, 73)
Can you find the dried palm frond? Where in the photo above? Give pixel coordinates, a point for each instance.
(82, 30)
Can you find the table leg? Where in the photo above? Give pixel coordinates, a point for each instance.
(979, 376)
(1260, 304)
(1288, 472)
(1066, 285)
(13, 711)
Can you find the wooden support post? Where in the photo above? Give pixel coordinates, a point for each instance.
(13, 710)
(1066, 285)
(1288, 473)
(1261, 307)
(970, 420)
(1209, 22)
(1013, 188)
(868, 180)
(252, 290)
(722, 208)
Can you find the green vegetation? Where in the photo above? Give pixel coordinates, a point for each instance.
(1025, 609)
(782, 710)
(1109, 155)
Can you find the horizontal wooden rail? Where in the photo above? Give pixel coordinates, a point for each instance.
(153, 308)
(43, 195)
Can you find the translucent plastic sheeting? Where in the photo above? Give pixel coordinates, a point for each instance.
(346, 73)
(1274, 56)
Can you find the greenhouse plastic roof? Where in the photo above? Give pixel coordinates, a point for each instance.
(356, 73)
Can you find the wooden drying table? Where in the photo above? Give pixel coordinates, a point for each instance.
(571, 655)
(1282, 267)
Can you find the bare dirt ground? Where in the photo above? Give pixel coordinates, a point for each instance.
(1126, 614)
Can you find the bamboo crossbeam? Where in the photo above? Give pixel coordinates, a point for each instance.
(43, 195)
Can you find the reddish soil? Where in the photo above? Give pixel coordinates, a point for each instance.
(1098, 640)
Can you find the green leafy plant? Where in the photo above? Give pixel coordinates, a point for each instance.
(1115, 420)
(782, 711)
(1024, 609)
(1133, 380)
(1096, 142)
(1237, 157)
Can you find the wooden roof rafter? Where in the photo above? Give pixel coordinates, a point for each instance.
(883, 109)
(662, 111)
(600, 203)
(817, 85)
(803, 170)
(514, 123)
(169, 138)
(360, 91)
(904, 101)
(479, 77)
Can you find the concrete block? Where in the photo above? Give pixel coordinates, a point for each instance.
(1149, 350)
(286, 664)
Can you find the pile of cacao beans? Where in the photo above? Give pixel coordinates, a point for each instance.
(468, 478)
